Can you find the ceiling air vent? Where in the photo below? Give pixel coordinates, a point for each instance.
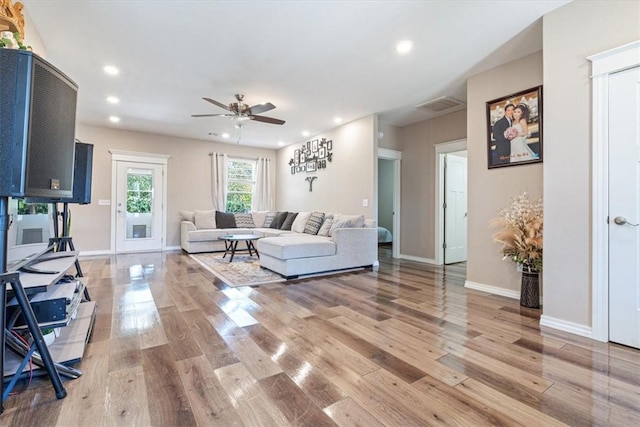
(440, 105)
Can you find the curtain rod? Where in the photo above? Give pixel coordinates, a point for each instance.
(242, 157)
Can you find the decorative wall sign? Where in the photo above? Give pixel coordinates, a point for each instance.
(311, 156)
(310, 180)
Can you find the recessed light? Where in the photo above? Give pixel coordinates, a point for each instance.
(404, 47)
(225, 135)
(337, 120)
(114, 119)
(281, 143)
(305, 133)
(113, 99)
(111, 70)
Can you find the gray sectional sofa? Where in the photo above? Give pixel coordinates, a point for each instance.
(315, 242)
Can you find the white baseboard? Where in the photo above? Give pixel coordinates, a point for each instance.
(509, 293)
(109, 252)
(417, 259)
(95, 253)
(565, 326)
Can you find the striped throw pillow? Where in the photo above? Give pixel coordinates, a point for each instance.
(314, 223)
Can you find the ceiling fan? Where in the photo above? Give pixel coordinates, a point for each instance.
(241, 112)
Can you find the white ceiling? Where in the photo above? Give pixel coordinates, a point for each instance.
(314, 60)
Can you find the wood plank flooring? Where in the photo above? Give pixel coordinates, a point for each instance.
(404, 345)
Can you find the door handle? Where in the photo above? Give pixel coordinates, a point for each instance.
(119, 210)
(620, 220)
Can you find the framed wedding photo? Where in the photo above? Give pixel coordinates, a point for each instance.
(514, 129)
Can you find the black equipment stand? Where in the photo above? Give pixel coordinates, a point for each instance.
(61, 241)
(13, 278)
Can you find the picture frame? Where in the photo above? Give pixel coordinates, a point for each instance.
(296, 157)
(514, 129)
(311, 166)
(314, 146)
(330, 145)
(322, 152)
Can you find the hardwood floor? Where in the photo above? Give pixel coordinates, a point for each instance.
(404, 345)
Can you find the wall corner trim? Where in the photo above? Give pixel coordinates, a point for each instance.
(509, 293)
(566, 326)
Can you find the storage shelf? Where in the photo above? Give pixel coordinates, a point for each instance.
(68, 348)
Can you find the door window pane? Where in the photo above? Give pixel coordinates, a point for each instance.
(139, 203)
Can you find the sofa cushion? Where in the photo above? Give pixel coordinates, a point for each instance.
(278, 220)
(314, 223)
(268, 219)
(188, 216)
(205, 219)
(225, 220)
(259, 217)
(298, 246)
(244, 220)
(326, 225)
(288, 222)
(346, 221)
(300, 222)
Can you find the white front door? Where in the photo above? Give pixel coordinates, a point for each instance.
(624, 207)
(139, 206)
(455, 211)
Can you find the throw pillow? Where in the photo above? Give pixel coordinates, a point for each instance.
(259, 217)
(278, 220)
(225, 220)
(288, 222)
(244, 220)
(205, 219)
(346, 221)
(188, 216)
(314, 223)
(326, 225)
(269, 219)
(300, 222)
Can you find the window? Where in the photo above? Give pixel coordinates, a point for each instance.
(139, 191)
(240, 185)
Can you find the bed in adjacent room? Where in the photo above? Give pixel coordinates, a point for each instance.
(384, 236)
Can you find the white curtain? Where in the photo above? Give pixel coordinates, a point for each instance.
(263, 193)
(219, 181)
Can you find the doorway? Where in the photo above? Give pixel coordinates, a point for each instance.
(389, 163)
(616, 164)
(455, 207)
(451, 202)
(624, 199)
(139, 211)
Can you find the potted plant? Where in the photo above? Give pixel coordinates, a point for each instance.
(520, 227)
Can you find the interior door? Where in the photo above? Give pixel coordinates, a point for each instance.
(624, 207)
(138, 206)
(455, 211)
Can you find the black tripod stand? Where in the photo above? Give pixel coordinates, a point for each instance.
(61, 241)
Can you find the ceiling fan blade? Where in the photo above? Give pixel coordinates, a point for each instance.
(261, 108)
(212, 115)
(267, 120)
(214, 102)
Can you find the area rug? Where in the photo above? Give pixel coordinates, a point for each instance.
(243, 271)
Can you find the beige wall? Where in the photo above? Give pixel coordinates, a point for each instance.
(490, 190)
(391, 138)
(571, 34)
(32, 37)
(417, 141)
(346, 181)
(188, 179)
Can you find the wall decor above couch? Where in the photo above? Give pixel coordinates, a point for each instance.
(312, 156)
